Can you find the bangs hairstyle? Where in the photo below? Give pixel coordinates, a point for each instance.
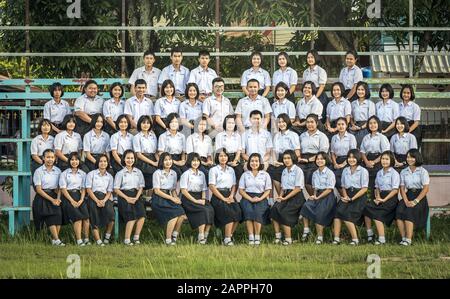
(356, 154)
(341, 88)
(343, 119)
(414, 153)
(366, 89)
(378, 122)
(352, 52)
(411, 90)
(42, 122)
(224, 125)
(149, 52)
(253, 80)
(176, 50)
(97, 162)
(94, 119)
(256, 53)
(261, 164)
(164, 85)
(218, 152)
(325, 156)
(161, 160)
(186, 91)
(256, 112)
(49, 150)
(89, 82)
(291, 154)
(403, 121)
(314, 117)
(389, 89)
(119, 118)
(285, 87)
(56, 86)
(140, 82)
(127, 152)
(141, 120)
(313, 87)
(72, 155)
(218, 79)
(171, 117)
(286, 119)
(115, 84)
(67, 119)
(191, 157)
(391, 156)
(288, 60)
(203, 53)
(197, 122)
(316, 56)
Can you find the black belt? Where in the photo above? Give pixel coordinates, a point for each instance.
(166, 191)
(223, 189)
(372, 156)
(353, 189)
(360, 123)
(49, 190)
(341, 159)
(415, 191)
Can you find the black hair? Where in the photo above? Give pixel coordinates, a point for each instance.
(288, 60)
(403, 121)
(291, 154)
(325, 156)
(313, 87)
(253, 80)
(197, 122)
(56, 86)
(218, 152)
(149, 52)
(378, 122)
(286, 119)
(87, 83)
(315, 117)
(341, 87)
(415, 153)
(164, 85)
(128, 151)
(391, 156)
(115, 84)
(343, 119)
(94, 119)
(67, 119)
(203, 53)
(218, 79)
(261, 163)
(119, 118)
(49, 150)
(366, 88)
(97, 162)
(176, 50)
(188, 86)
(171, 117)
(316, 56)
(411, 89)
(389, 88)
(191, 157)
(352, 52)
(140, 82)
(161, 160)
(254, 53)
(141, 120)
(355, 153)
(76, 155)
(42, 122)
(224, 125)
(256, 112)
(284, 86)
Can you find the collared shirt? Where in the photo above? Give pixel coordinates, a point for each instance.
(323, 179)
(127, 180)
(377, 143)
(339, 109)
(317, 75)
(217, 110)
(292, 178)
(313, 106)
(341, 146)
(121, 143)
(173, 144)
(96, 144)
(222, 178)
(283, 106)
(255, 184)
(68, 143)
(232, 143)
(189, 112)
(256, 142)
(193, 182)
(402, 144)
(285, 141)
(39, 144)
(317, 142)
(362, 111)
(388, 111)
(203, 78)
(247, 105)
(414, 180)
(179, 77)
(201, 146)
(359, 179)
(387, 181)
(411, 111)
(349, 77)
(88, 105)
(261, 75)
(288, 76)
(55, 112)
(151, 77)
(163, 107)
(165, 180)
(146, 144)
(137, 108)
(72, 181)
(47, 179)
(113, 109)
(99, 183)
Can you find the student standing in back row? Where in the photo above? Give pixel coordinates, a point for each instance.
(318, 76)
(259, 74)
(285, 74)
(88, 104)
(350, 75)
(149, 74)
(175, 72)
(56, 109)
(203, 75)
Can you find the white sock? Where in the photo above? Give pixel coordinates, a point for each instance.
(306, 230)
(56, 242)
(337, 239)
(168, 241)
(201, 236)
(107, 236)
(408, 240)
(289, 240)
(174, 234)
(206, 235)
(277, 235)
(251, 237)
(86, 240)
(320, 238)
(99, 242)
(382, 239)
(403, 239)
(369, 232)
(227, 240)
(136, 238)
(79, 241)
(127, 241)
(257, 237)
(355, 240)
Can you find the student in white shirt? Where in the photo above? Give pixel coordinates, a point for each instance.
(149, 73)
(175, 72)
(285, 74)
(56, 109)
(89, 103)
(350, 75)
(113, 107)
(258, 73)
(203, 75)
(40, 143)
(318, 76)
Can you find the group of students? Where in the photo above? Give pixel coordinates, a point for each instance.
(191, 139)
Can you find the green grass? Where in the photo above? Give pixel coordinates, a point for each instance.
(29, 255)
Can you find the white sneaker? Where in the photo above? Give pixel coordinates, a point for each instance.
(405, 243)
(251, 242)
(137, 242)
(318, 241)
(277, 241)
(257, 242)
(106, 241)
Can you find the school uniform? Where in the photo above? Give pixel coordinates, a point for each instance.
(89, 106)
(288, 76)
(165, 209)
(147, 145)
(224, 179)
(310, 145)
(349, 77)
(255, 186)
(256, 142)
(129, 182)
(281, 143)
(321, 211)
(38, 146)
(113, 110)
(55, 112)
(96, 145)
(287, 212)
(261, 75)
(202, 146)
(150, 77)
(217, 110)
(100, 185)
(361, 112)
(283, 106)
(195, 184)
(67, 144)
(120, 143)
(352, 183)
(414, 182)
(74, 183)
(387, 113)
(400, 145)
(318, 76)
(137, 108)
(247, 105)
(191, 113)
(179, 77)
(44, 212)
(373, 146)
(339, 109)
(340, 147)
(203, 78)
(304, 108)
(175, 145)
(385, 183)
(163, 107)
(232, 144)
(412, 112)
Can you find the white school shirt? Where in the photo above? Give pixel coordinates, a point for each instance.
(203, 78)
(56, 112)
(341, 146)
(349, 77)
(231, 143)
(341, 109)
(39, 144)
(411, 111)
(127, 180)
(283, 106)
(323, 179)
(137, 108)
(288, 76)
(68, 143)
(163, 107)
(313, 106)
(193, 182)
(387, 181)
(145, 144)
(359, 179)
(255, 184)
(99, 183)
(113, 109)
(71, 181)
(290, 179)
(88, 105)
(374, 144)
(314, 143)
(247, 105)
(387, 112)
(121, 143)
(400, 145)
(217, 110)
(174, 145)
(222, 178)
(202, 146)
(47, 179)
(414, 180)
(165, 181)
(179, 77)
(96, 144)
(189, 112)
(256, 142)
(317, 75)
(284, 141)
(261, 75)
(151, 77)
(362, 111)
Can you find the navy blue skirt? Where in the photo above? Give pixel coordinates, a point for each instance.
(338, 172)
(287, 212)
(44, 212)
(384, 212)
(225, 213)
(128, 211)
(147, 170)
(100, 217)
(70, 213)
(198, 214)
(258, 212)
(165, 209)
(308, 168)
(417, 214)
(359, 135)
(352, 211)
(320, 211)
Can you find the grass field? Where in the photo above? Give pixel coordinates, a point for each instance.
(29, 255)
